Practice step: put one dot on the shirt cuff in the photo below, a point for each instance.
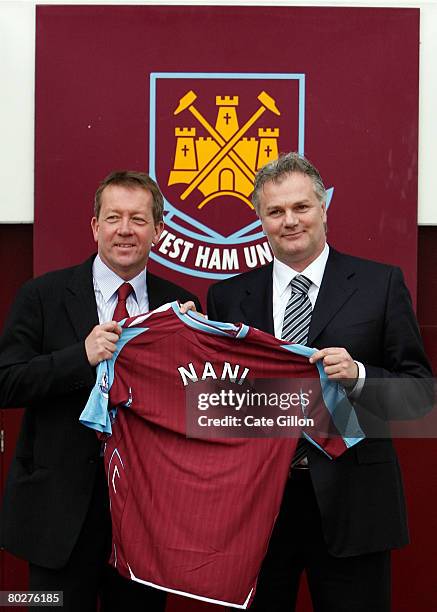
(355, 392)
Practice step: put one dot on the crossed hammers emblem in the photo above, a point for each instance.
(226, 147)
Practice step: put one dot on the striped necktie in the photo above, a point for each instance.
(297, 317)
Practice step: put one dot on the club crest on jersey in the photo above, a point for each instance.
(104, 385)
(209, 134)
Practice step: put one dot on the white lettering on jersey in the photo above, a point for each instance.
(229, 372)
(188, 374)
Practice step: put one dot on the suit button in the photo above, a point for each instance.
(92, 460)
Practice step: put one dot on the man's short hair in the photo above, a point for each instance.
(133, 180)
(276, 170)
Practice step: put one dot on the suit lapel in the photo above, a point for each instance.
(338, 285)
(80, 300)
(257, 305)
(155, 291)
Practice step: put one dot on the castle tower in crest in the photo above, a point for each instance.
(268, 145)
(185, 162)
(185, 157)
(227, 120)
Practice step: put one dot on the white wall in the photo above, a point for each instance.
(17, 60)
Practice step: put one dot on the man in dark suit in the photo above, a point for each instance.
(339, 519)
(56, 511)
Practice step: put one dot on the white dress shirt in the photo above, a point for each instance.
(106, 284)
(282, 277)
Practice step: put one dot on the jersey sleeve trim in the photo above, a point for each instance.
(95, 415)
(340, 408)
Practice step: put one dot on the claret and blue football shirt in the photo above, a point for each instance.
(193, 516)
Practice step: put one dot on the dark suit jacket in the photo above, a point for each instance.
(43, 366)
(366, 308)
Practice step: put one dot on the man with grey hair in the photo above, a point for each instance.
(339, 519)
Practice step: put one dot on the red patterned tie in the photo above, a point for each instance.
(123, 292)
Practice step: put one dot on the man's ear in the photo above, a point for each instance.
(325, 216)
(158, 231)
(95, 228)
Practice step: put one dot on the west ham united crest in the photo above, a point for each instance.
(209, 134)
